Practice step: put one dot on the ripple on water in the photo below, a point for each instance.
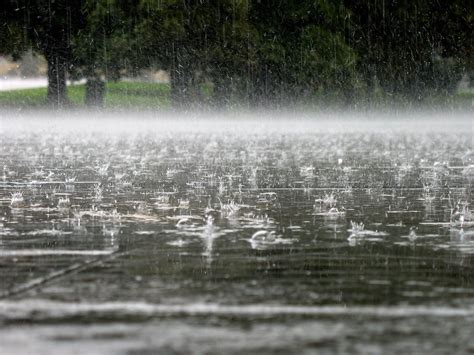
(200, 214)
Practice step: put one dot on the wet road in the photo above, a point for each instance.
(268, 237)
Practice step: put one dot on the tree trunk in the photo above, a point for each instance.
(370, 84)
(95, 93)
(180, 82)
(256, 92)
(57, 92)
(222, 92)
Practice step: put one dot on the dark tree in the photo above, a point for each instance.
(12, 37)
(411, 49)
(301, 52)
(197, 42)
(106, 47)
(49, 27)
(265, 53)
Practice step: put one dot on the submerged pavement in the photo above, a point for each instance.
(266, 237)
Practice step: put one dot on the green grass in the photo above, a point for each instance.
(23, 98)
(118, 95)
(135, 95)
(465, 99)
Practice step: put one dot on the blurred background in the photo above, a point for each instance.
(237, 54)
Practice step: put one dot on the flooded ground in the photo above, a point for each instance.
(311, 235)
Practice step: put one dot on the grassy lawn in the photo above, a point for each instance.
(156, 96)
(118, 95)
(465, 99)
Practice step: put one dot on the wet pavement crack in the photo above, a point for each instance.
(41, 281)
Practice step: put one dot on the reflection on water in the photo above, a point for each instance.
(340, 219)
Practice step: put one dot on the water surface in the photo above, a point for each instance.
(319, 234)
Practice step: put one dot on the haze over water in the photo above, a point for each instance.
(265, 233)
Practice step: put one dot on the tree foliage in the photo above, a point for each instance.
(48, 27)
(411, 48)
(253, 52)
